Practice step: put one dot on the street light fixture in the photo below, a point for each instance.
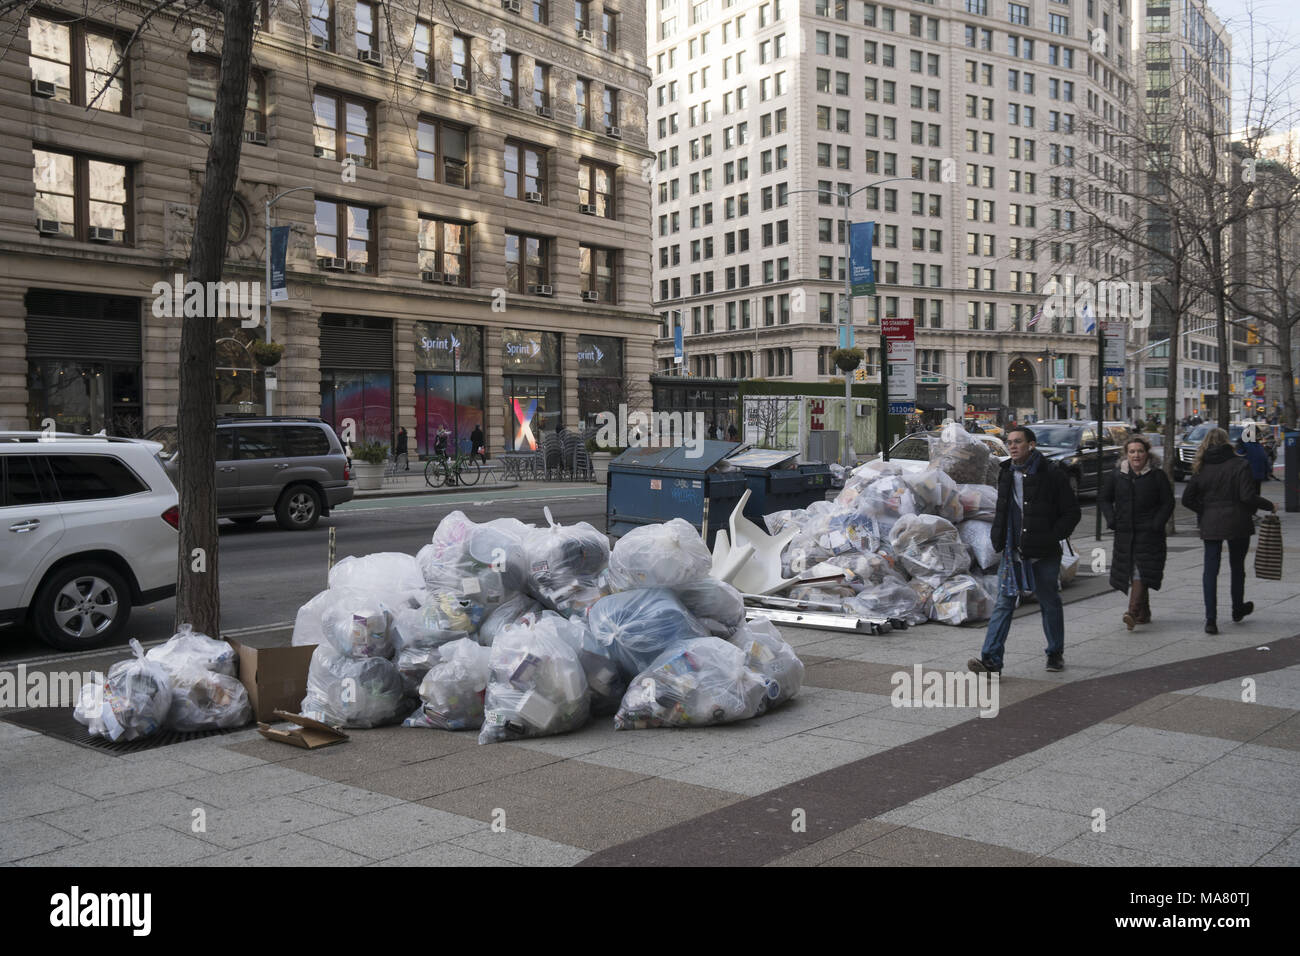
(267, 252)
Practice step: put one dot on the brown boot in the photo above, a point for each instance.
(1131, 615)
(1144, 602)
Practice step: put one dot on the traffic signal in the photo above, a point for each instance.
(860, 374)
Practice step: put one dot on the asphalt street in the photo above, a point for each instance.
(267, 573)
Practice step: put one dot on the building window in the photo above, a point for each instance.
(321, 23)
(609, 30)
(541, 87)
(596, 187)
(345, 231)
(442, 153)
(78, 60)
(460, 58)
(525, 171)
(597, 269)
(582, 99)
(365, 26)
(202, 97)
(444, 248)
(354, 137)
(538, 11)
(422, 54)
(527, 262)
(609, 104)
(78, 194)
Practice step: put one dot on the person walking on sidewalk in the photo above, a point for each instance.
(1225, 496)
(1137, 501)
(1036, 510)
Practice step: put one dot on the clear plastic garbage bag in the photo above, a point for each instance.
(929, 547)
(536, 686)
(936, 494)
(960, 599)
(659, 555)
(978, 536)
(959, 454)
(565, 561)
(207, 700)
(132, 702)
(451, 693)
(188, 648)
(383, 572)
(715, 604)
(693, 684)
(353, 691)
(358, 626)
(891, 599)
(978, 502)
(768, 653)
(504, 615)
(637, 626)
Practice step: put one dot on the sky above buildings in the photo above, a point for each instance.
(1276, 38)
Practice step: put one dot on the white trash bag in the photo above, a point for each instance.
(958, 453)
(188, 648)
(693, 684)
(671, 554)
(132, 702)
(565, 562)
(715, 604)
(978, 502)
(346, 691)
(207, 700)
(451, 693)
(504, 615)
(384, 572)
(960, 599)
(768, 654)
(892, 599)
(536, 686)
(978, 536)
(936, 494)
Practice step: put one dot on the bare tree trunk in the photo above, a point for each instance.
(1171, 387)
(198, 596)
(1219, 280)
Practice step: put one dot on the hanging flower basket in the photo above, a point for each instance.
(846, 360)
(1049, 394)
(267, 354)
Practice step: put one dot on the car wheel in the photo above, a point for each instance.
(298, 508)
(247, 519)
(80, 606)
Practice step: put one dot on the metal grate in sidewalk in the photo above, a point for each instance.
(58, 722)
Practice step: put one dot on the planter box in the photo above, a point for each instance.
(369, 477)
(600, 466)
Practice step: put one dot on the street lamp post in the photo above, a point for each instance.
(267, 251)
(846, 320)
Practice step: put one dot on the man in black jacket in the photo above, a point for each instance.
(1036, 510)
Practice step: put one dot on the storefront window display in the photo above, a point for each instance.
(534, 394)
(448, 383)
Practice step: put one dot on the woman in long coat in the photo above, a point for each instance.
(1137, 501)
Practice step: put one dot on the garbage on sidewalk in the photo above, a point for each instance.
(308, 734)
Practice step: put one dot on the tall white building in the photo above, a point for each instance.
(978, 121)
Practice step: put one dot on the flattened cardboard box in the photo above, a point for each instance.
(309, 734)
(275, 677)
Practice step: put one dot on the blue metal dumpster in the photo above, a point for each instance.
(776, 486)
(654, 485)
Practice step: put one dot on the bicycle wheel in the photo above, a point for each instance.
(434, 473)
(469, 472)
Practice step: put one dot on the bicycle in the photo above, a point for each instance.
(461, 470)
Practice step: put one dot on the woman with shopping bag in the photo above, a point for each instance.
(1225, 497)
(1136, 501)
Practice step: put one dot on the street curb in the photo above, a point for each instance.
(457, 490)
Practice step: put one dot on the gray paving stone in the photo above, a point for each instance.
(635, 762)
(264, 820)
(1071, 793)
(820, 851)
(126, 776)
(1203, 842)
(102, 819)
(291, 849)
(938, 800)
(1238, 771)
(215, 758)
(1263, 752)
(1125, 766)
(153, 846)
(1286, 853)
(18, 800)
(242, 786)
(1234, 804)
(876, 730)
(1018, 826)
(523, 849)
(10, 732)
(775, 764)
(1092, 850)
(24, 838)
(444, 854)
(920, 847)
(347, 799)
(394, 830)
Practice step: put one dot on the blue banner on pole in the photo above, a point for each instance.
(279, 251)
(678, 351)
(862, 273)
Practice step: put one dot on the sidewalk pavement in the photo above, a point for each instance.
(1143, 751)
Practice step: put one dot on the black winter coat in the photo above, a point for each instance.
(1051, 510)
(1137, 508)
(1224, 496)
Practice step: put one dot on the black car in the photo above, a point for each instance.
(1187, 445)
(1073, 445)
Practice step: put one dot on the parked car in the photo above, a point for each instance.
(1073, 445)
(913, 452)
(293, 468)
(90, 533)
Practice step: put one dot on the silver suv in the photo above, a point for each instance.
(293, 468)
(89, 530)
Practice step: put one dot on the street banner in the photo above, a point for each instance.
(678, 352)
(862, 273)
(279, 250)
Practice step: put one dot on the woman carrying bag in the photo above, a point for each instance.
(1225, 496)
(1137, 501)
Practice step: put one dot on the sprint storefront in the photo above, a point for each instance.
(533, 385)
(448, 383)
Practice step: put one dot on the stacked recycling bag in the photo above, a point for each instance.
(187, 684)
(519, 631)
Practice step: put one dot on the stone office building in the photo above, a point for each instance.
(470, 247)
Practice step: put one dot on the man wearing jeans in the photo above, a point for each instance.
(1036, 510)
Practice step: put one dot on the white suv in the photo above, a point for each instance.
(89, 529)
